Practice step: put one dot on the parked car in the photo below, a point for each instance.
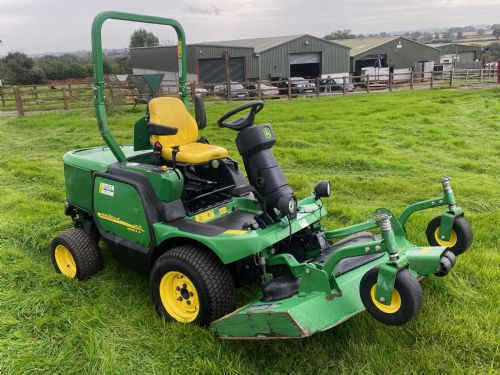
(298, 85)
(237, 90)
(336, 84)
(265, 90)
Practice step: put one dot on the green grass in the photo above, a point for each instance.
(380, 150)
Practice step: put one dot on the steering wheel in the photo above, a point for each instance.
(243, 122)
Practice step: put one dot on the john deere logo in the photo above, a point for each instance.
(267, 132)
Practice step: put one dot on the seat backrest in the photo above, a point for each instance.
(172, 112)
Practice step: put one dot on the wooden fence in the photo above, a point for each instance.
(22, 99)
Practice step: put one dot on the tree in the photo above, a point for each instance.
(340, 34)
(18, 69)
(460, 35)
(143, 38)
(492, 52)
(496, 33)
(480, 32)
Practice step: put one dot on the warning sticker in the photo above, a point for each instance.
(106, 189)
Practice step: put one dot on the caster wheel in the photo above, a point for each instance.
(452, 257)
(405, 302)
(189, 284)
(75, 254)
(460, 239)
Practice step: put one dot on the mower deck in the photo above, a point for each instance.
(302, 314)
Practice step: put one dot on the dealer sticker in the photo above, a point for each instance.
(107, 189)
(263, 307)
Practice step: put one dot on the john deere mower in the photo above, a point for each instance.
(179, 209)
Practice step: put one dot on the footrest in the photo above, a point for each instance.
(348, 264)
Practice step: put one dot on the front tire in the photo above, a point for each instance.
(460, 238)
(405, 302)
(189, 284)
(75, 254)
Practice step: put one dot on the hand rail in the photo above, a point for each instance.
(99, 103)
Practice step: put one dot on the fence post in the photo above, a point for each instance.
(343, 85)
(193, 91)
(110, 91)
(19, 101)
(35, 94)
(412, 77)
(65, 99)
(289, 89)
(391, 78)
(2, 96)
(466, 77)
(70, 90)
(259, 94)
(452, 72)
(367, 83)
(317, 87)
(432, 80)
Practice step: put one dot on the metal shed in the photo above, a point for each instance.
(259, 58)
(397, 52)
(460, 52)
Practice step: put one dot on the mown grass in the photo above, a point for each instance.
(380, 150)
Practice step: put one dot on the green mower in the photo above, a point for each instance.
(179, 209)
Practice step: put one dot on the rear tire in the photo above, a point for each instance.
(406, 298)
(460, 238)
(75, 254)
(189, 284)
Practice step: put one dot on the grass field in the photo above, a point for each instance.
(383, 150)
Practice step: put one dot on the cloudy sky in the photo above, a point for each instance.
(35, 26)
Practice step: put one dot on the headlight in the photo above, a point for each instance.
(322, 189)
(287, 205)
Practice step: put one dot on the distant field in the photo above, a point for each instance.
(378, 150)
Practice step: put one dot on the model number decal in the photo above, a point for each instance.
(106, 189)
(136, 228)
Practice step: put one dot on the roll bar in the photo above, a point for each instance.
(99, 103)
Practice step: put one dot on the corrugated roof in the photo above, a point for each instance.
(440, 45)
(258, 44)
(363, 44)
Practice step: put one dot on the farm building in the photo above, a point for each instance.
(396, 52)
(248, 59)
(459, 52)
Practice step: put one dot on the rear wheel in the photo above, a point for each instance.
(405, 302)
(75, 254)
(460, 238)
(189, 284)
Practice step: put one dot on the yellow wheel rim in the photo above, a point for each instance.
(179, 296)
(388, 309)
(452, 242)
(65, 261)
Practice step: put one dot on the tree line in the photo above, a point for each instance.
(17, 68)
(450, 35)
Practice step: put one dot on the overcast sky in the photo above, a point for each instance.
(35, 26)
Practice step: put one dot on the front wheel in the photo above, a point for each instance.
(405, 302)
(189, 284)
(460, 238)
(75, 254)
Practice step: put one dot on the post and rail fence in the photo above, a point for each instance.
(23, 99)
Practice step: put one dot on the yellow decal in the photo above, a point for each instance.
(222, 210)
(204, 216)
(179, 50)
(136, 228)
(425, 249)
(235, 231)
